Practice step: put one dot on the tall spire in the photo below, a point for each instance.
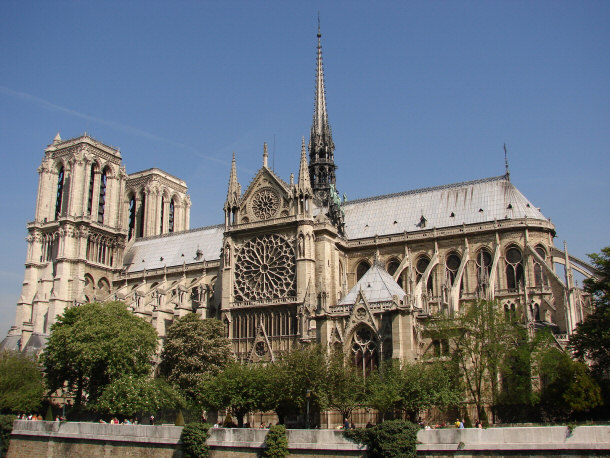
(321, 147)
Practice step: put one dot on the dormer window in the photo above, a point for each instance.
(422, 222)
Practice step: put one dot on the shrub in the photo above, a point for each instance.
(194, 437)
(276, 442)
(6, 426)
(394, 438)
(179, 419)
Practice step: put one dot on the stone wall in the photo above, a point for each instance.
(71, 439)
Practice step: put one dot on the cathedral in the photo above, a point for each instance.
(293, 261)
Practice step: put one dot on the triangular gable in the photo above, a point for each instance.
(265, 178)
(261, 349)
(360, 314)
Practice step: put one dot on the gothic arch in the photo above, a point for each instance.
(361, 268)
(364, 346)
(514, 267)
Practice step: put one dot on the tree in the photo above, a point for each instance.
(346, 386)
(301, 370)
(481, 337)
(566, 386)
(131, 395)
(590, 341)
(242, 388)
(21, 385)
(95, 344)
(194, 349)
(383, 388)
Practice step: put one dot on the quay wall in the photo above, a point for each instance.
(73, 439)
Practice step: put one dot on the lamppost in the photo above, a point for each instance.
(308, 396)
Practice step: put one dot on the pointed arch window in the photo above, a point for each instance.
(132, 218)
(452, 264)
(514, 268)
(172, 215)
(540, 278)
(102, 200)
(420, 268)
(483, 268)
(141, 215)
(60, 193)
(91, 189)
(362, 268)
(393, 265)
(365, 350)
(162, 211)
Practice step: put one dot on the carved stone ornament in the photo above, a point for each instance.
(265, 269)
(265, 203)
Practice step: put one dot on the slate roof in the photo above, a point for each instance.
(469, 202)
(175, 249)
(377, 285)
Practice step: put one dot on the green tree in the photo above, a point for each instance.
(383, 388)
(21, 385)
(346, 387)
(131, 395)
(276, 443)
(394, 438)
(567, 387)
(590, 341)
(300, 370)
(242, 388)
(194, 437)
(95, 344)
(194, 349)
(481, 337)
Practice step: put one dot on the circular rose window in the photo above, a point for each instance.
(265, 204)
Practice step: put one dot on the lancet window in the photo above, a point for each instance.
(514, 268)
(132, 218)
(141, 215)
(172, 216)
(365, 350)
(483, 261)
(91, 189)
(60, 193)
(452, 265)
(102, 198)
(392, 267)
(420, 268)
(162, 214)
(540, 278)
(362, 268)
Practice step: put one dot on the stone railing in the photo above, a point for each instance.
(71, 439)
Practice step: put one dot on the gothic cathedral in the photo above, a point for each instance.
(294, 262)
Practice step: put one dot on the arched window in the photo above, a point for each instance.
(172, 214)
(452, 263)
(102, 201)
(362, 268)
(91, 189)
(540, 278)
(60, 193)
(392, 267)
(483, 268)
(514, 267)
(132, 218)
(420, 267)
(142, 212)
(162, 209)
(365, 350)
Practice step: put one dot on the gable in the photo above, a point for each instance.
(267, 197)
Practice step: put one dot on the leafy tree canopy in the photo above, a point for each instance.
(131, 395)
(242, 388)
(591, 339)
(194, 348)
(346, 386)
(95, 344)
(21, 386)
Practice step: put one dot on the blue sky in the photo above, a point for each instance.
(419, 94)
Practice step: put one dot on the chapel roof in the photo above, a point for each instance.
(377, 285)
(468, 202)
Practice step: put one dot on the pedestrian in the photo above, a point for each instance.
(462, 424)
(152, 420)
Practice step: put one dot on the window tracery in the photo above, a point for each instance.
(365, 349)
(265, 204)
(60, 193)
(540, 278)
(514, 267)
(484, 262)
(420, 268)
(265, 269)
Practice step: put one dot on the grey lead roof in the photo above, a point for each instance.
(469, 202)
(171, 250)
(443, 206)
(377, 286)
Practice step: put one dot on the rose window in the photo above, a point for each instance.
(265, 204)
(265, 269)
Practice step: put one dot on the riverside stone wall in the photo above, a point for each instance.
(72, 439)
